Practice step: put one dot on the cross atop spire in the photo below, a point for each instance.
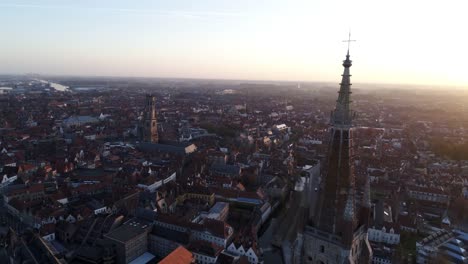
(349, 41)
(342, 115)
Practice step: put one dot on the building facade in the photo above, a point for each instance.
(130, 240)
(384, 235)
(428, 194)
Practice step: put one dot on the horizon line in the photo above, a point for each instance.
(434, 86)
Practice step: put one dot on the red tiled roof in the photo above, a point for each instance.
(179, 256)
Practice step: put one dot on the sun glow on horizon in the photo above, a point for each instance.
(413, 42)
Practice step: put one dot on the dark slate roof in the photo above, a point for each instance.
(170, 234)
(225, 169)
(8, 170)
(145, 214)
(165, 146)
(94, 204)
(90, 253)
(129, 230)
(175, 143)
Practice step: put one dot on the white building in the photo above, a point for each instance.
(204, 258)
(7, 181)
(430, 194)
(251, 254)
(49, 237)
(384, 235)
(155, 185)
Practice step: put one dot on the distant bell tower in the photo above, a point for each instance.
(150, 121)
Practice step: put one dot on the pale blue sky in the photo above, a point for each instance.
(399, 41)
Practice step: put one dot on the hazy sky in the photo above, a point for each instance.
(398, 41)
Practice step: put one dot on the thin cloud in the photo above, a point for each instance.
(137, 11)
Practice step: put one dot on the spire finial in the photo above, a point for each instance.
(349, 41)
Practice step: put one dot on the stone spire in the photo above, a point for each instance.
(366, 203)
(366, 199)
(342, 115)
(341, 218)
(349, 212)
(337, 206)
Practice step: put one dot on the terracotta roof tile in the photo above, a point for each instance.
(179, 256)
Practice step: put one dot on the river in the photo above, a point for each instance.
(57, 86)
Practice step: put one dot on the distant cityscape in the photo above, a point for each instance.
(141, 170)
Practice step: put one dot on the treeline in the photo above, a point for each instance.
(451, 150)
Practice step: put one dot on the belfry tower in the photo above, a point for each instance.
(150, 121)
(338, 233)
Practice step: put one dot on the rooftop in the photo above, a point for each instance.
(179, 256)
(144, 258)
(169, 147)
(129, 230)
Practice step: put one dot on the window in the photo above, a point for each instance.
(322, 249)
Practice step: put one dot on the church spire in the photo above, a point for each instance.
(342, 115)
(337, 201)
(349, 40)
(341, 218)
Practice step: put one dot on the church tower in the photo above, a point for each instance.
(150, 121)
(338, 233)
